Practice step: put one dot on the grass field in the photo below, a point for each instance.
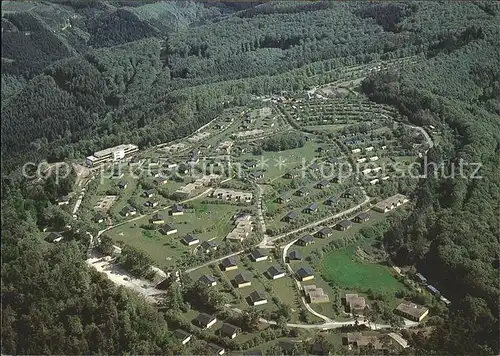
(342, 267)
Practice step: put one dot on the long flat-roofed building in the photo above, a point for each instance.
(111, 154)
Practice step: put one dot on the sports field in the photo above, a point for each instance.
(342, 267)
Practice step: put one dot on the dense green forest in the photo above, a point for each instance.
(78, 76)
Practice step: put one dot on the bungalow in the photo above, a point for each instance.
(190, 240)
(323, 184)
(325, 232)
(291, 175)
(208, 280)
(161, 180)
(123, 184)
(168, 230)
(290, 216)
(412, 311)
(304, 274)
(242, 280)
(99, 218)
(358, 340)
(128, 211)
(362, 217)
(117, 173)
(315, 295)
(152, 203)
(361, 160)
(356, 150)
(282, 199)
(348, 195)
(311, 208)
(332, 201)
(390, 203)
(229, 264)
(314, 167)
(208, 246)
(368, 149)
(176, 210)
(205, 321)
(183, 336)
(63, 200)
(344, 225)
(274, 272)
(54, 237)
(302, 192)
(229, 330)
(257, 175)
(332, 160)
(305, 240)
(258, 255)
(374, 158)
(257, 298)
(148, 193)
(157, 219)
(294, 256)
(374, 181)
(354, 303)
(169, 165)
(250, 164)
(213, 348)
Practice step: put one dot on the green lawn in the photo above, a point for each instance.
(342, 267)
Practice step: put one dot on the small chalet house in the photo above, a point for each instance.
(294, 256)
(362, 217)
(242, 280)
(257, 175)
(344, 225)
(157, 219)
(258, 255)
(412, 311)
(325, 232)
(302, 192)
(99, 218)
(63, 200)
(332, 160)
(128, 211)
(304, 274)
(354, 304)
(291, 175)
(208, 280)
(152, 203)
(311, 208)
(282, 199)
(182, 336)
(215, 349)
(148, 193)
(274, 272)
(205, 321)
(314, 167)
(177, 210)
(305, 240)
(257, 298)
(208, 246)
(290, 216)
(229, 330)
(250, 164)
(168, 230)
(323, 184)
(332, 201)
(161, 180)
(229, 264)
(190, 240)
(123, 184)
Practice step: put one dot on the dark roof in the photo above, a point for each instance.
(257, 295)
(189, 238)
(204, 319)
(363, 216)
(291, 214)
(149, 191)
(332, 160)
(345, 223)
(242, 277)
(157, 217)
(312, 206)
(274, 271)
(256, 253)
(99, 216)
(63, 198)
(332, 200)
(229, 329)
(122, 183)
(229, 261)
(324, 182)
(421, 277)
(306, 239)
(208, 244)
(326, 230)
(167, 227)
(432, 289)
(283, 197)
(207, 279)
(177, 208)
(295, 255)
(302, 190)
(304, 272)
(215, 347)
(181, 334)
(253, 353)
(313, 166)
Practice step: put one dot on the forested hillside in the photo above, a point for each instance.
(78, 76)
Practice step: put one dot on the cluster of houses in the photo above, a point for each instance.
(243, 226)
(390, 203)
(228, 194)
